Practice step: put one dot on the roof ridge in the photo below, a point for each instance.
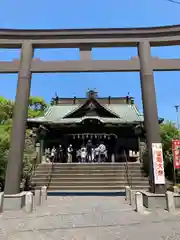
(47, 111)
(137, 112)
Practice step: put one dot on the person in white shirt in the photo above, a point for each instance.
(93, 155)
(53, 154)
(83, 154)
(78, 155)
(69, 153)
(96, 154)
(47, 155)
(102, 152)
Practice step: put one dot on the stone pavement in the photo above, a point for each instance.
(88, 218)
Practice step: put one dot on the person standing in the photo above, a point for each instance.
(53, 154)
(96, 153)
(78, 155)
(89, 150)
(93, 154)
(83, 154)
(69, 153)
(60, 154)
(102, 152)
(47, 155)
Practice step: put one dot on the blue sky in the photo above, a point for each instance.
(93, 14)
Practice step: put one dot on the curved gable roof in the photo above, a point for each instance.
(126, 113)
(94, 102)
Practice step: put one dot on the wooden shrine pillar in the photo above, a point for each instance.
(14, 166)
(150, 108)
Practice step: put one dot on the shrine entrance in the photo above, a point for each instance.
(85, 40)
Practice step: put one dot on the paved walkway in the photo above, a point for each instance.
(88, 218)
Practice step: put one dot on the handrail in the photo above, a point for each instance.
(33, 168)
(28, 181)
(129, 180)
(50, 173)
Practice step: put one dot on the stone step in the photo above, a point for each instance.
(80, 170)
(88, 170)
(87, 178)
(94, 188)
(107, 192)
(90, 177)
(87, 166)
(91, 164)
(89, 183)
(89, 174)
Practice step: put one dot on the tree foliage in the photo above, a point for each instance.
(4, 146)
(37, 106)
(6, 109)
(168, 132)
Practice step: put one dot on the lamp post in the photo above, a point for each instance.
(177, 114)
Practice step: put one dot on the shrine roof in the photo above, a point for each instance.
(123, 113)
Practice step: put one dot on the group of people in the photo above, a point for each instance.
(90, 153)
(86, 154)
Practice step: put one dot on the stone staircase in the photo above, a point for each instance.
(89, 177)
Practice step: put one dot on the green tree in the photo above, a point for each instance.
(4, 147)
(37, 107)
(168, 132)
(28, 161)
(6, 109)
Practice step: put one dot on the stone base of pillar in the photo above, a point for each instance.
(14, 201)
(154, 200)
(158, 188)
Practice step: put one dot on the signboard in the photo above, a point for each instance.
(158, 163)
(176, 153)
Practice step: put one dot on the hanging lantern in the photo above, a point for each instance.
(138, 130)
(78, 136)
(74, 137)
(104, 136)
(87, 135)
(95, 136)
(115, 136)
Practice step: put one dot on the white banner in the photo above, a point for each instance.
(158, 163)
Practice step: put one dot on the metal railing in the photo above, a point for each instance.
(49, 176)
(27, 185)
(34, 168)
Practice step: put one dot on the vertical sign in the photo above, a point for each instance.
(158, 163)
(176, 153)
